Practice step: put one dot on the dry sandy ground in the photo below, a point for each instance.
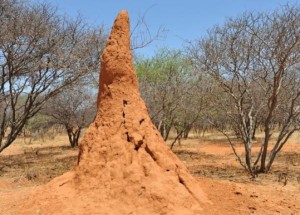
(24, 168)
(233, 191)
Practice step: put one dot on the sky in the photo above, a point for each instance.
(184, 20)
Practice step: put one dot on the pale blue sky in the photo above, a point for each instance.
(189, 19)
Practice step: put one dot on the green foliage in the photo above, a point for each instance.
(38, 121)
(162, 66)
(171, 88)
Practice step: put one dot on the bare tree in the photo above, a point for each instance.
(40, 54)
(172, 91)
(141, 35)
(255, 60)
(74, 108)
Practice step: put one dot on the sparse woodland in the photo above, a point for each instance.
(227, 106)
(243, 77)
(254, 59)
(40, 54)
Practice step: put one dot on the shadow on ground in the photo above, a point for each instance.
(40, 165)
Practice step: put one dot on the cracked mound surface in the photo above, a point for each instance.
(124, 166)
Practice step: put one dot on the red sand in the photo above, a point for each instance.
(124, 166)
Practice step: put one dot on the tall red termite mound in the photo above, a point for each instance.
(124, 166)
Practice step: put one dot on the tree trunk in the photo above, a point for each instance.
(178, 137)
(73, 135)
(254, 130)
(265, 150)
(272, 158)
(186, 132)
(167, 132)
(161, 128)
(248, 157)
(11, 137)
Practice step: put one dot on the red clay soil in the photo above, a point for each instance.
(124, 166)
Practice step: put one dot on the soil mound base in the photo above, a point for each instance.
(124, 166)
